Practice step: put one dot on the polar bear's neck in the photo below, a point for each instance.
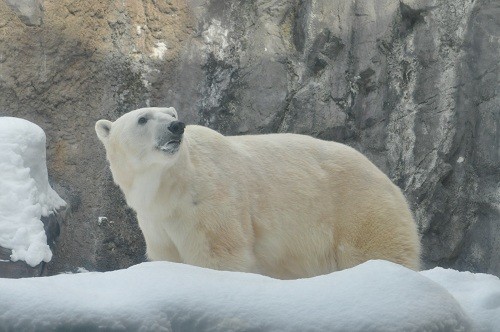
(145, 185)
(143, 188)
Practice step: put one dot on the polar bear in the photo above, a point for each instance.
(283, 205)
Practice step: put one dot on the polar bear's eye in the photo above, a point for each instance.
(142, 120)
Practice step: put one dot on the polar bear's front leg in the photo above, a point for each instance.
(165, 251)
(159, 245)
(221, 244)
(220, 255)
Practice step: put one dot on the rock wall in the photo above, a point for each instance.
(413, 84)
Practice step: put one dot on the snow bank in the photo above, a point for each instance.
(163, 296)
(25, 193)
(479, 295)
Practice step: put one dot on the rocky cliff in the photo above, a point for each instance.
(413, 84)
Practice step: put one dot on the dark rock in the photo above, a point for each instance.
(410, 17)
(19, 269)
(52, 225)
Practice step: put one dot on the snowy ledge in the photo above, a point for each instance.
(163, 296)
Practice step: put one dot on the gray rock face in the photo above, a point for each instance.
(412, 84)
(30, 12)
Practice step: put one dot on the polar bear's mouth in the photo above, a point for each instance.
(171, 146)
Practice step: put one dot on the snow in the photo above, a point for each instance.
(101, 220)
(25, 193)
(159, 50)
(479, 295)
(164, 296)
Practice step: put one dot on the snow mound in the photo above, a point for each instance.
(479, 295)
(163, 296)
(25, 194)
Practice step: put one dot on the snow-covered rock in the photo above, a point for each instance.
(25, 193)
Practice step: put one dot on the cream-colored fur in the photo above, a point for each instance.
(282, 205)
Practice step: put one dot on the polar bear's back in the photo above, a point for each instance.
(315, 206)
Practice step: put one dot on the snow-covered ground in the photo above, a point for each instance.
(162, 296)
(25, 193)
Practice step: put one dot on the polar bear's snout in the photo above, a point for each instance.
(169, 136)
(177, 127)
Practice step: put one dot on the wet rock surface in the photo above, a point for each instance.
(412, 84)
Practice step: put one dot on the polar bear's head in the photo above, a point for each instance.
(142, 138)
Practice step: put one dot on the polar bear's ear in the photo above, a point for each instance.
(173, 112)
(102, 128)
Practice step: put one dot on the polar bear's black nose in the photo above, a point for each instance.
(177, 127)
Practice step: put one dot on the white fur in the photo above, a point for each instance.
(283, 205)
